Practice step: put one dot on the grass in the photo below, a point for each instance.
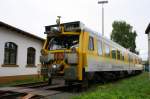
(136, 87)
(25, 81)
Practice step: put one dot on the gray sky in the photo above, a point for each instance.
(33, 15)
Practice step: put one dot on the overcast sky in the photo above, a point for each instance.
(33, 15)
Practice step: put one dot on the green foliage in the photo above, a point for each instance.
(131, 88)
(122, 34)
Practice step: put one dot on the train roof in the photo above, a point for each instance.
(108, 41)
(78, 26)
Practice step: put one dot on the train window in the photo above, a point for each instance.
(113, 53)
(130, 58)
(100, 50)
(107, 50)
(91, 43)
(63, 42)
(127, 57)
(134, 60)
(137, 60)
(122, 56)
(118, 55)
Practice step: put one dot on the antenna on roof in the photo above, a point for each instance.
(58, 20)
(58, 23)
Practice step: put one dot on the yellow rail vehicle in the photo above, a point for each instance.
(76, 53)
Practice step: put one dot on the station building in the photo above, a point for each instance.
(19, 53)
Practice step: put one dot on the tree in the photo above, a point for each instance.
(122, 34)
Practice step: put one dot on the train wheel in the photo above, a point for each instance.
(97, 78)
(68, 83)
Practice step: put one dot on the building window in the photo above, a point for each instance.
(30, 56)
(10, 54)
(91, 43)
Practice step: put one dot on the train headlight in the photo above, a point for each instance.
(54, 66)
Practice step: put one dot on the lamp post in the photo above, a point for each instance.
(102, 2)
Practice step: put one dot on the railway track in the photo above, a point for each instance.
(39, 90)
(33, 85)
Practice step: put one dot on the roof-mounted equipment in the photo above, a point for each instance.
(76, 26)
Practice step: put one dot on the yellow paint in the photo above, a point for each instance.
(44, 47)
(54, 51)
(79, 67)
(85, 48)
(70, 33)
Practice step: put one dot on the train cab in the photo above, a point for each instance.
(61, 53)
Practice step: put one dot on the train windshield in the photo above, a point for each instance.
(63, 42)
